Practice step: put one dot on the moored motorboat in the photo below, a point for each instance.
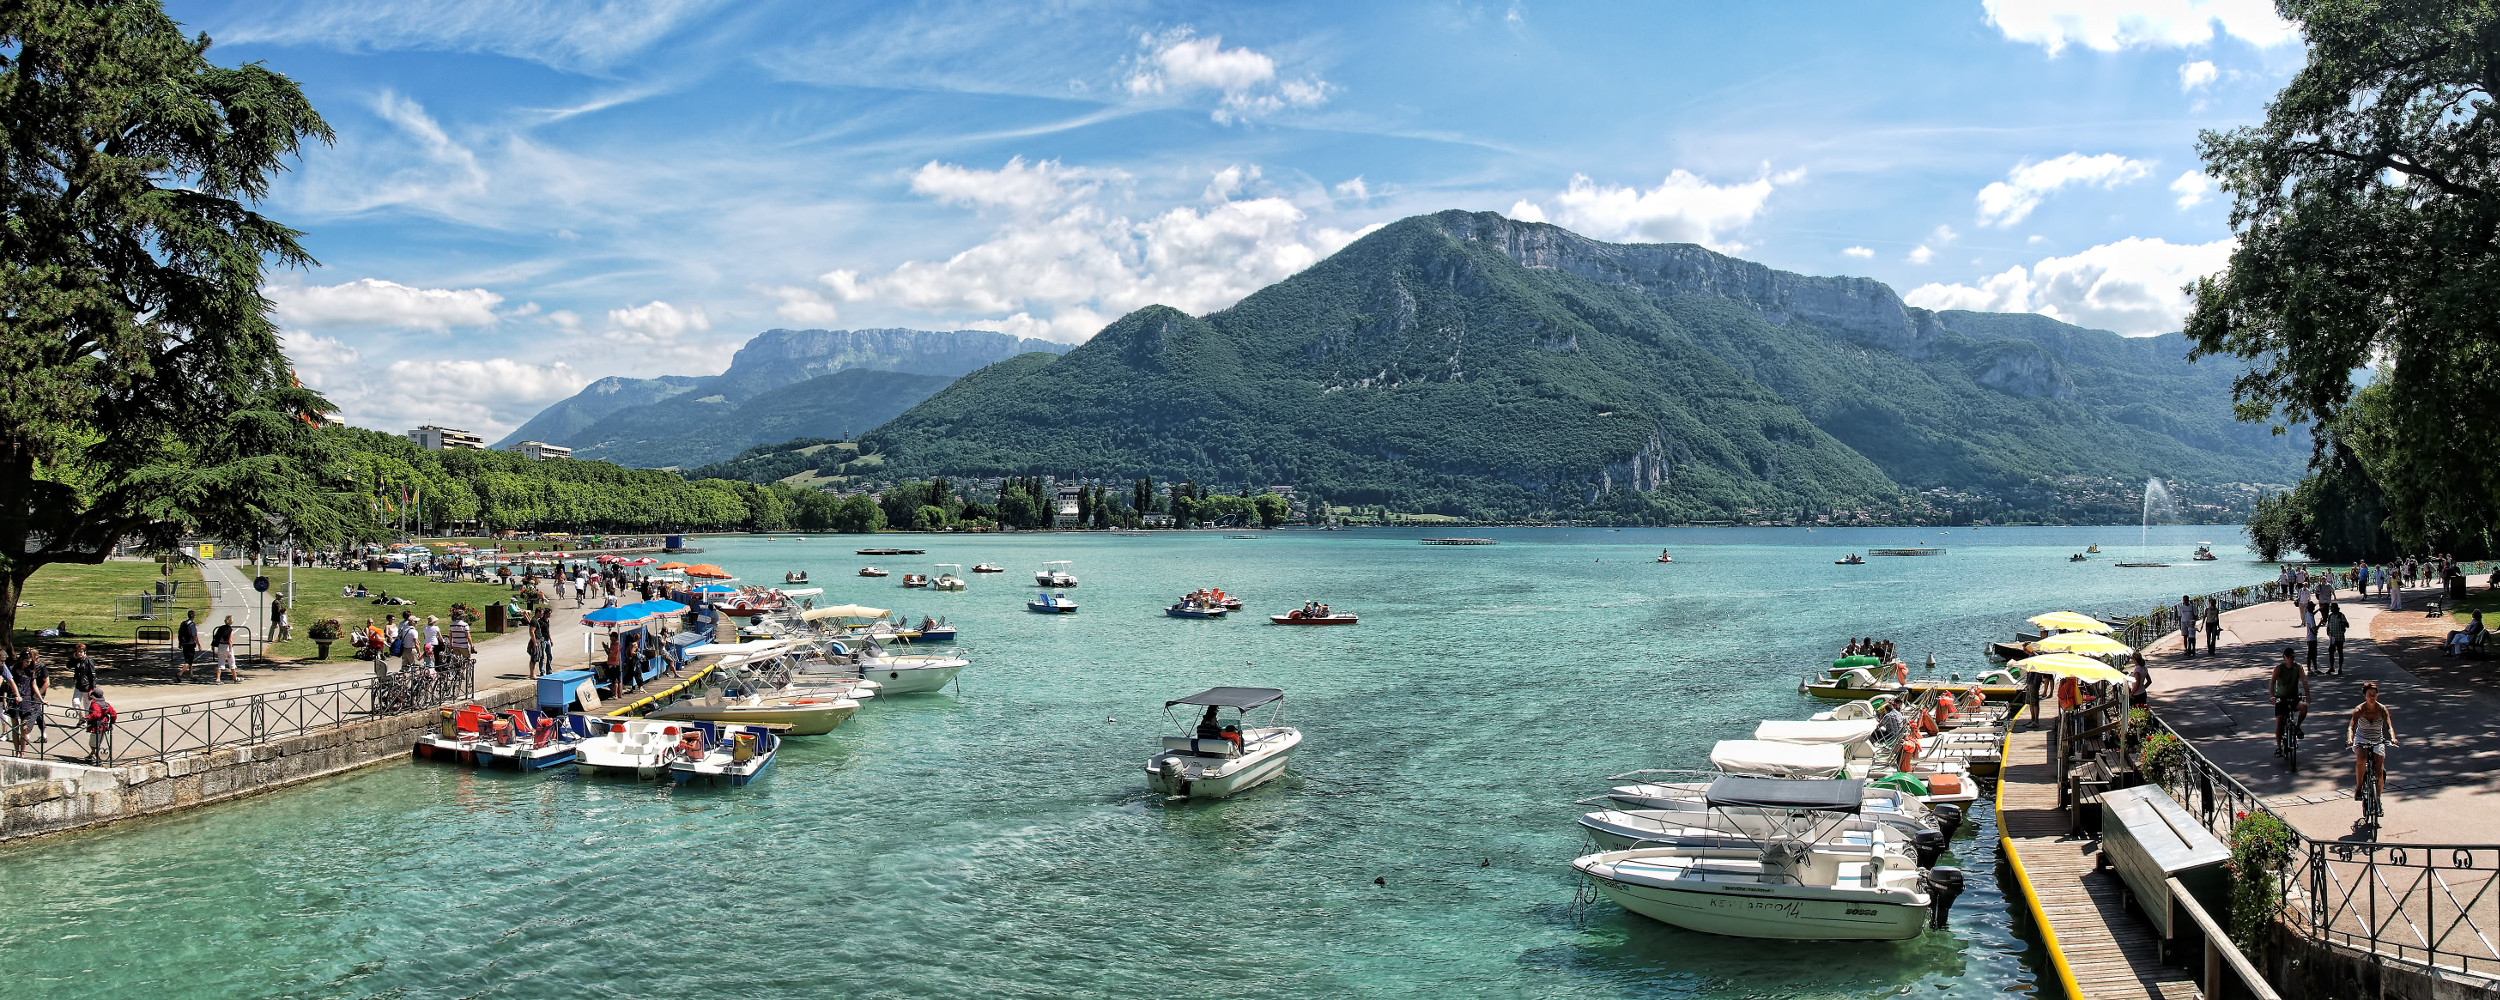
(1055, 575)
(1686, 792)
(1796, 881)
(894, 674)
(1051, 604)
(871, 571)
(805, 712)
(1217, 759)
(915, 580)
(1314, 613)
(626, 747)
(947, 579)
(989, 568)
(1193, 609)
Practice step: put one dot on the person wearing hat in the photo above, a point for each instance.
(2373, 730)
(433, 640)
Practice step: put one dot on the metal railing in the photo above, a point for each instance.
(2140, 630)
(2434, 905)
(150, 734)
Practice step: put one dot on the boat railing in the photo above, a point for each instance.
(2435, 906)
(143, 735)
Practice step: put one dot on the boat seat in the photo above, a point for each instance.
(1203, 748)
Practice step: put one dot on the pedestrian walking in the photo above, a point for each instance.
(2336, 625)
(28, 684)
(2396, 590)
(433, 641)
(81, 677)
(2309, 624)
(221, 642)
(187, 646)
(411, 645)
(2187, 625)
(280, 626)
(2213, 625)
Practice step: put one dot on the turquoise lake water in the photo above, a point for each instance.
(1000, 840)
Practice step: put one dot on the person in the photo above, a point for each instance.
(2373, 730)
(279, 626)
(222, 641)
(538, 654)
(2459, 639)
(1232, 734)
(99, 718)
(2291, 694)
(2187, 625)
(29, 682)
(2309, 625)
(2378, 579)
(1207, 727)
(2213, 625)
(433, 640)
(81, 677)
(456, 638)
(2336, 626)
(2322, 592)
(411, 644)
(187, 639)
(2396, 590)
(2140, 682)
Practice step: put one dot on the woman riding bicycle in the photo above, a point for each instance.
(2373, 730)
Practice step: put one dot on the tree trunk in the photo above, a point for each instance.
(12, 584)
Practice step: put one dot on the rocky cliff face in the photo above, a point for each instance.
(777, 358)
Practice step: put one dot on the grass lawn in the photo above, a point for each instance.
(317, 599)
(83, 596)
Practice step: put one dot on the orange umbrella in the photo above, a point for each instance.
(671, 565)
(708, 571)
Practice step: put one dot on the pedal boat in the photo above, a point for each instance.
(731, 755)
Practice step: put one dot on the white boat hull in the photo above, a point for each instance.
(1755, 913)
(1190, 776)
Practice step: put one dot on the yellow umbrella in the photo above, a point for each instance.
(2085, 643)
(2082, 668)
(842, 611)
(2068, 621)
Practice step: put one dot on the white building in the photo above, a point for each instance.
(1066, 504)
(432, 438)
(540, 451)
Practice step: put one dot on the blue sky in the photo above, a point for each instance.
(526, 195)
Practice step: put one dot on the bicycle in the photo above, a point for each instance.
(2287, 742)
(2370, 794)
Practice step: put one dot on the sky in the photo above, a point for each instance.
(525, 195)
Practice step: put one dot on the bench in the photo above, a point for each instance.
(153, 633)
(1203, 748)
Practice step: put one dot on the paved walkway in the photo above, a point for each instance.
(2440, 779)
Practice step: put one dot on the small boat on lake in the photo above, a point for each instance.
(2078, 557)
(989, 568)
(633, 748)
(531, 740)
(794, 576)
(871, 571)
(1313, 613)
(947, 578)
(915, 580)
(1664, 557)
(1189, 608)
(1218, 759)
(1214, 596)
(803, 712)
(1853, 559)
(1922, 551)
(458, 737)
(2094, 549)
(2205, 553)
(714, 754)
(1055, 574)
(1051, 604)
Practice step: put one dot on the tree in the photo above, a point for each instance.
(1142, 495)
(858, 515)
(2367, 208)
(1272, 509)
(1084, 505)
(142, 391)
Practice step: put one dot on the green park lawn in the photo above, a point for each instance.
(82, 595)
(317, 599)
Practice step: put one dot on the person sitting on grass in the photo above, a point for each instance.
(2460, 639)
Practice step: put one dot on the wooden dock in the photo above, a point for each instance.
(2099, 945)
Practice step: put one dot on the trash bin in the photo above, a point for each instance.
(494, 618)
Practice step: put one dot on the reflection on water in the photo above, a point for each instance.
(1000, 839)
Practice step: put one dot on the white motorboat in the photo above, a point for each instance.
(1805, 878)
(1768, 759)
(1686, 792)
(906, 673)
(1855, 737)
(640, 748)
(947, 578)
(715, 754)
(1219, 759)
(1055, 575)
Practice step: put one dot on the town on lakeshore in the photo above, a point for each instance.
(658, 498)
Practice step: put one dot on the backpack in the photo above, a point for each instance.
(100, 716)
(397, 645)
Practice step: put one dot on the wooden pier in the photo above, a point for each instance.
(2099, 946)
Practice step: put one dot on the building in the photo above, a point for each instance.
(540, 451)
(1066, 506)
(432, 438)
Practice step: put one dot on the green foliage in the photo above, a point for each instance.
(2163, 757)
(2365, 207)
(1272, 509)
(1428, 369)
(142, 391)
(766, 463)
(2339, 513)
(2261, 848)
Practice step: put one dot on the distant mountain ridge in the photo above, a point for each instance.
(675, 420)
(1471, 364)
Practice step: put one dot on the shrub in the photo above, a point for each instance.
(2261, 847)
(2163, 758)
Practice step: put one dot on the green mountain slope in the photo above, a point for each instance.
(1466, 363)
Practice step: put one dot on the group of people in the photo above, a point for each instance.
(431, 645)
(2369, 729)
(1869, 646)
(26, 690)
(221, 641)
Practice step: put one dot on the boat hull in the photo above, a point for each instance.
(1050, 609)
(1190, 613)
(1255, 770)
(526, 758)
(1731, 913)
(434, 748)
(803, 720)
(1330, 620)
(893, 679)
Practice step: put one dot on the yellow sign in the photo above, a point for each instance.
(208, 551)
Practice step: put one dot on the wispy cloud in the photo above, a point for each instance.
(2110, 25)
(571, 35)
(2011, 200)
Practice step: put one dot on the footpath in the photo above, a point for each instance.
(2440, 778)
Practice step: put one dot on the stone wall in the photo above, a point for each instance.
(2316, 970)
(38, 797)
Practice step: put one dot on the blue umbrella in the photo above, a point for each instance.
(713, 588)
(633, 614)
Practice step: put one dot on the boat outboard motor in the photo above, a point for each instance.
(1930, 845)
(1948, 818)
(1943, 885)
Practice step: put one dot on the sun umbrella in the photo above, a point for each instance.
(2068, 621)
(2085, 643)
(672, 565)
(708, 572)
(610, 559)
(843, 611)
(2082, 668)
(712, 588)
(633, 614)
(644, 561)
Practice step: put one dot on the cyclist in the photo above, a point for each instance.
(2291, 694)
(2373, 730)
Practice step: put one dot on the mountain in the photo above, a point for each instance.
(1470, 364)
(780, 385)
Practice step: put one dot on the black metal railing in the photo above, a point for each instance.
(150, 734)
(2140, 630)
(2435, 905)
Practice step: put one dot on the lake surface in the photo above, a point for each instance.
(999, 840)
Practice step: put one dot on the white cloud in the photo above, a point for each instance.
(654, 324)
(1063, 274)
(373, 302)
(2200, 73)
(802, 305)
(2110, 25)
(2192, 188)
(1861, 253)
(1683, 208)
(2134, 286)
(1017, 186)
(1921, 254)
(566, 34)
(1178, 62)
(2009, 201)
(1354, 189)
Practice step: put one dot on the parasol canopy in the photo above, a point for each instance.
(642, 613)
(2069, 621)
(708, 571)
(2082, 668)
(843, 611)
(2085, 643)
(672, 565)
(644, 561)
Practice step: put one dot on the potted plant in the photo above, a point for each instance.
(323, 634)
